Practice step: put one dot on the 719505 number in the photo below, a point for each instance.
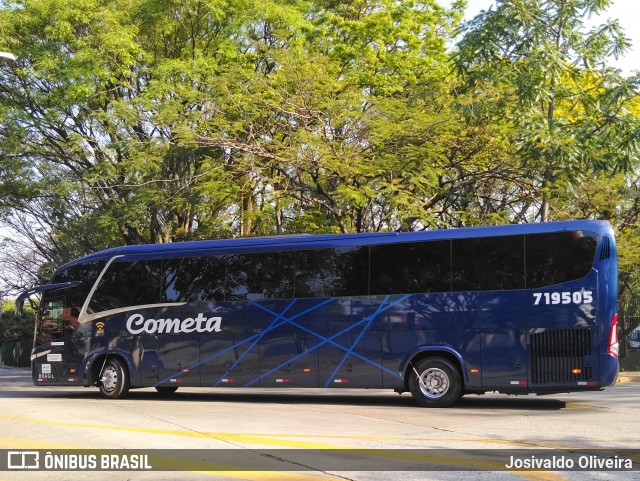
(565, 297)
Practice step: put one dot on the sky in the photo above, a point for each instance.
(627, 12)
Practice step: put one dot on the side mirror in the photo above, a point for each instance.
(46, 287)
(20, 303)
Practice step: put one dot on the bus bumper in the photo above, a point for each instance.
(609, 369)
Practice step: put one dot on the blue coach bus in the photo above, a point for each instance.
(516, 309)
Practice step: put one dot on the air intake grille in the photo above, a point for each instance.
(555, 353)
(605, 251)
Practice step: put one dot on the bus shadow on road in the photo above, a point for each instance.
(16, 385)
(471, 402)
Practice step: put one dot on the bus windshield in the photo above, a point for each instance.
(59, 308)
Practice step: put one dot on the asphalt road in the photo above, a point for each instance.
(268, 424)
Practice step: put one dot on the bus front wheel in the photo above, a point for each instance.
(435, 382)
(114, 381)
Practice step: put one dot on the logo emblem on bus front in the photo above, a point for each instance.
(100, 328)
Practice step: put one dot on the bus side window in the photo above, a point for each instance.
(411, 268)
(128, 283)
(559, 257)
(193, 279)
(265, 275)
(488, 263)
(332, 272)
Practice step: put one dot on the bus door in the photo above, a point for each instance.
(57, 348)
(504, 358)
(148, 367)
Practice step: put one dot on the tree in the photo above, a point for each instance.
(569, 111)
(140, 121)
(14, 327)
(143, 121)
(322, 128)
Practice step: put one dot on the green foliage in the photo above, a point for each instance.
(15, 327)
(567, 109)
(135, 121)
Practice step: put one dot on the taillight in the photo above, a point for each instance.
(614, 346)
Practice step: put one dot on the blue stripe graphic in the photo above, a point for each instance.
(280, 320)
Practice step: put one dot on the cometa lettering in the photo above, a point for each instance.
(137, 324)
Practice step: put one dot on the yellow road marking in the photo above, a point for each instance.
(230, 437)
(268, 439)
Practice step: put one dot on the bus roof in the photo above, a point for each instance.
(316, 241)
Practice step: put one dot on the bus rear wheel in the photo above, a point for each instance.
(114, 380)
(435, 383)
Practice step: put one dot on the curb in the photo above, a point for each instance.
(625, 377)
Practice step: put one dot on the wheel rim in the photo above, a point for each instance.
(434, 383)
(109, 379)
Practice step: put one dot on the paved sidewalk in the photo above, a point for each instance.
(632, 376)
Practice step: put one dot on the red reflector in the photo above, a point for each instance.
(614, 346)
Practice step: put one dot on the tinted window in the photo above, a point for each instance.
(55, 319)
(332, 272)
(559, 257)
(193, 279)
(267, 275)
(488, 263)
(128, 283)
(59, 309)
(409, 268)
(86, 273)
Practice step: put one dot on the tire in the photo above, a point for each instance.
(166, 390)
(114, 380)
(439, 383)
